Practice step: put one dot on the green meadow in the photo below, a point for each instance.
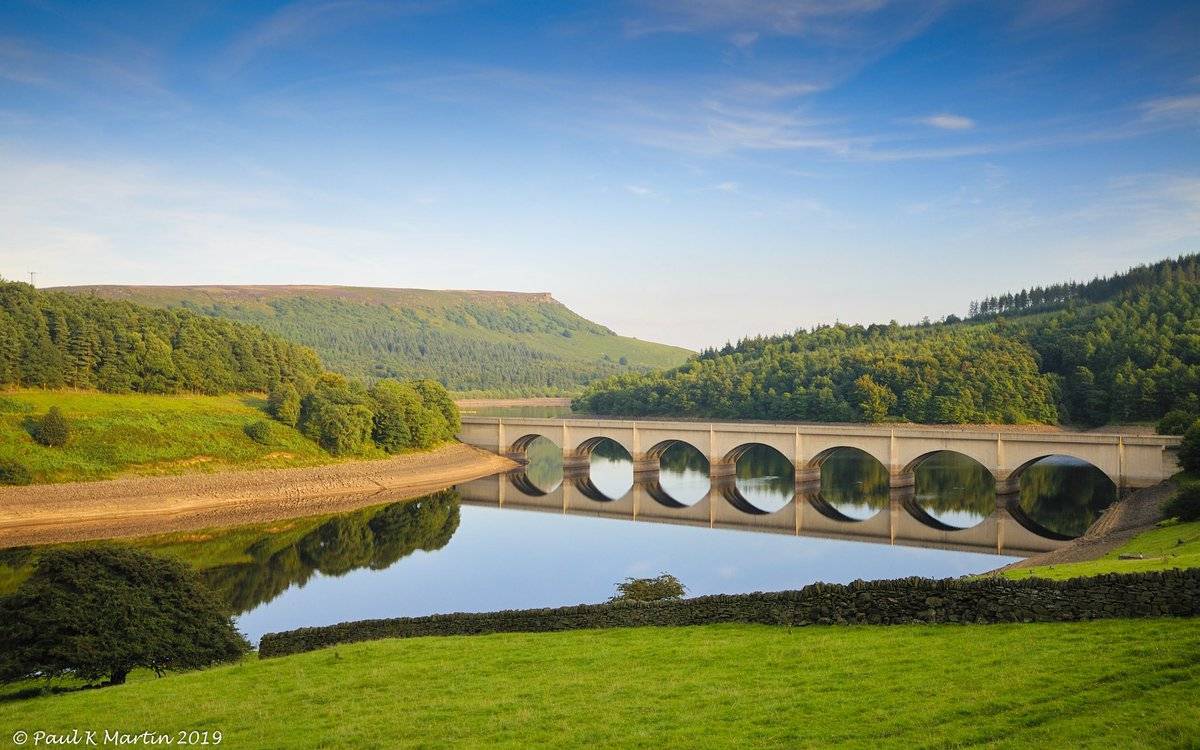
(1117, 683)
(144, 435)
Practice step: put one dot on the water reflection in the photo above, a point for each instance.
(683, 474)
(1065, 495)
(955, 490)
(545, 467)
(611, 469)
(765, 478)
(854, 484)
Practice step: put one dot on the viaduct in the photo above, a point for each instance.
(1130, 461)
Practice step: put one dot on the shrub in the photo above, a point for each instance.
(337, 415)
(283, 403)
(52, 430)
(1184, 504)
(1175, 422)
(663, 588)
(101, 611)
(12, 472)
(1189, 449)
(259, 432)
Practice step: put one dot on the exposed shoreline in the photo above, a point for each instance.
(81, 511)
(475, 403)
(1123, 521)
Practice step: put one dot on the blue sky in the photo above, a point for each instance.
(687, 172)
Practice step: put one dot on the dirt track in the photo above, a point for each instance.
(79, 511)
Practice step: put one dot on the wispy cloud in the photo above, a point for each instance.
(1172, 107)
(306, 19)
(640, 191)
(948, 122)
(784, 17)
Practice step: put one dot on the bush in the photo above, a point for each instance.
(259, 432)
(1189, 449)
(102, 611)
(1175, 422)
(663, 588)
(1184, 504)
(12, 472)
(283, 403)
(52, 430)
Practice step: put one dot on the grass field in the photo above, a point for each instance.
(1173, 545)
(138, 435)
(1119, 683)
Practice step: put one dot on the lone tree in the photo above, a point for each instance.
(52, 430)
(102, 611)
(662, 588)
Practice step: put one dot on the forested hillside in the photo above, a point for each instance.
(1133, 357)
(485, 343)
(52, 340)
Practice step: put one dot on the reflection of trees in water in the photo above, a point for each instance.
(768, 469)
(370, 538)
(949, 482)
(681, 457)
(610, 450)
(545, 467)
(1065, 495)
(852, 479)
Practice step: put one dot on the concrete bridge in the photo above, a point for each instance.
(902, 522)
(1130, 461)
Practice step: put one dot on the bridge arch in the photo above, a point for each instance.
(684, 458)
(1062, 502)
(951, 489)
(775, 480)
(1016, 474)
(521, 444)
(657, 450)
(854, 489)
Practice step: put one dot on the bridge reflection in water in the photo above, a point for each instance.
(902, 521)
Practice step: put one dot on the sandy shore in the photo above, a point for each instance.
(80, 511)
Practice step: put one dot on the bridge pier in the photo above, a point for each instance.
(719, 468)
(902, 479)
(573, 460)
(645, 467)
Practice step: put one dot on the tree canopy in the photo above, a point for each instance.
(55, 340)
(102, 611)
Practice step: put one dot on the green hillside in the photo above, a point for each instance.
(1124, 348)
(474, 342)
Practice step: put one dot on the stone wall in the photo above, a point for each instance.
(888, 602)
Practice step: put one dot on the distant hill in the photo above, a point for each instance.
(475, 342)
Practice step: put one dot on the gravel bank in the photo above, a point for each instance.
(79, 511)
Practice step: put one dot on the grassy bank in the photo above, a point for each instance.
(716, 686)
(140, 435)
(1174, 545)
